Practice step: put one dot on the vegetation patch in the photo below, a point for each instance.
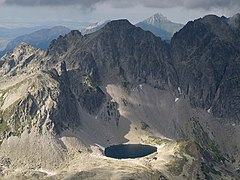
(182, 149)
(158, 140)
(208, 148)
(176, 166)
(186, 147)
(3, 126)
(1, 98)
(207, 169)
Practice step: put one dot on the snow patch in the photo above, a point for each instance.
(209, 110)
(101, 147)
(95, 25)
(179, 90)
(49, 173)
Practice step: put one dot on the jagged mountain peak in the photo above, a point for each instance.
(74, 33)
(157, 18)
(234, 21)
(196, 38)
(236, 15)
(210, 19)
(121, 24)
(23, 50)
(216, 22)
(22, 46)
(17, 61)
(63, 43)
(122, 76)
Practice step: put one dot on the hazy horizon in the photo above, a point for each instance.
(76, 13)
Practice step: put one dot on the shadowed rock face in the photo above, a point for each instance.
(116, 53)
(206, 56)
(98, 84)
(202, 61)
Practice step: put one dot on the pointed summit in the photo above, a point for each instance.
(160, 26)
(156, 19)
(22, 48)
(23, 51)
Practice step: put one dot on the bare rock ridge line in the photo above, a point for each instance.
(122, 84)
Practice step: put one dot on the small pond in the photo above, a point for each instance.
(125, 151)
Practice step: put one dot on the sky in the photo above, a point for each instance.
(73, 13)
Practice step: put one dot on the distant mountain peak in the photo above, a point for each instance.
(157, 18)
(160, 26)
(38, 39)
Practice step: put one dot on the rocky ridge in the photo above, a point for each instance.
(122, 84)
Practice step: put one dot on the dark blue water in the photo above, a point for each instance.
(125, 151)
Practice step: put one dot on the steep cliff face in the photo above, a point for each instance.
(36, 104)
(114, 55)
(122, 84)
(115, 52)
(22, 56)
(195, 69)
(29, 89)
(206, 56)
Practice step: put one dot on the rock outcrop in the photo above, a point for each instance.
(206, 56)
(122, 84)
